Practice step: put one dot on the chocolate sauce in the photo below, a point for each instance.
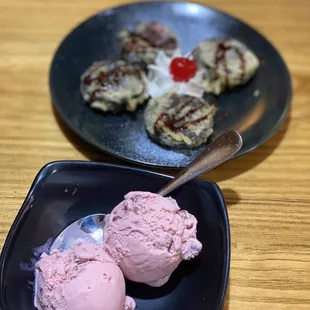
(136, 44)
(158, 36)
(87, 80)
(242, 63)
(171, 43)
(110, 79)
(172, 121)
(220, 54)
(93, 96)
(141, 44)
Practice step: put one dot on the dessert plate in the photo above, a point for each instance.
(256, 110)
(66, 191)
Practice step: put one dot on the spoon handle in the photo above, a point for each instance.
(217, 152)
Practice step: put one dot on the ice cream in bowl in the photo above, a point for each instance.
(144, 238)
(162, 247)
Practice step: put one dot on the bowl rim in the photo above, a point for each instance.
(50, 168)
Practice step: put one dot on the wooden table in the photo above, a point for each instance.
(267, 191)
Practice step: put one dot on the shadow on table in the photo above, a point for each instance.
(250, 160)
(83, 147)
(231, 197)
(226, 171)
(227, 298)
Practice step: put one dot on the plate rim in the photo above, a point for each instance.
(50, 167)
(103, 150)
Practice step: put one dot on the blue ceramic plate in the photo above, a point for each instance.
(256, 110)
(256, 117)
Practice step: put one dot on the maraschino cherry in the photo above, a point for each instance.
(182, 69)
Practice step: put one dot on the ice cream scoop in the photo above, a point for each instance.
(148, 236)
(83, 277)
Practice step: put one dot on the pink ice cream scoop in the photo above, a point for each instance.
(83, 277)
(149, 235)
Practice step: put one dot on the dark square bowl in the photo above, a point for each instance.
(65, 191)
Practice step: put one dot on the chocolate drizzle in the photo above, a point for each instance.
(175, 123)
(136, 44)
(171, 43)
(220, 57)
(93, 96)
(88, 80)
(110, 79)
(156, 34)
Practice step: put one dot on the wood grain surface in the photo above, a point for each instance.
(267, 191)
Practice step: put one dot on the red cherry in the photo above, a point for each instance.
(182, 69)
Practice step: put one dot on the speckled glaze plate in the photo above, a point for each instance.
(256, 110)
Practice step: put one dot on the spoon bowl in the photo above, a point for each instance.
(86, 229)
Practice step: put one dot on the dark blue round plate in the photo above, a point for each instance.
(256, 110)
(66, 191)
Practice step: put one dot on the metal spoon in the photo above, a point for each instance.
(90, 228)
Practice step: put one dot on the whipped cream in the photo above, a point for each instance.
(160, 80)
